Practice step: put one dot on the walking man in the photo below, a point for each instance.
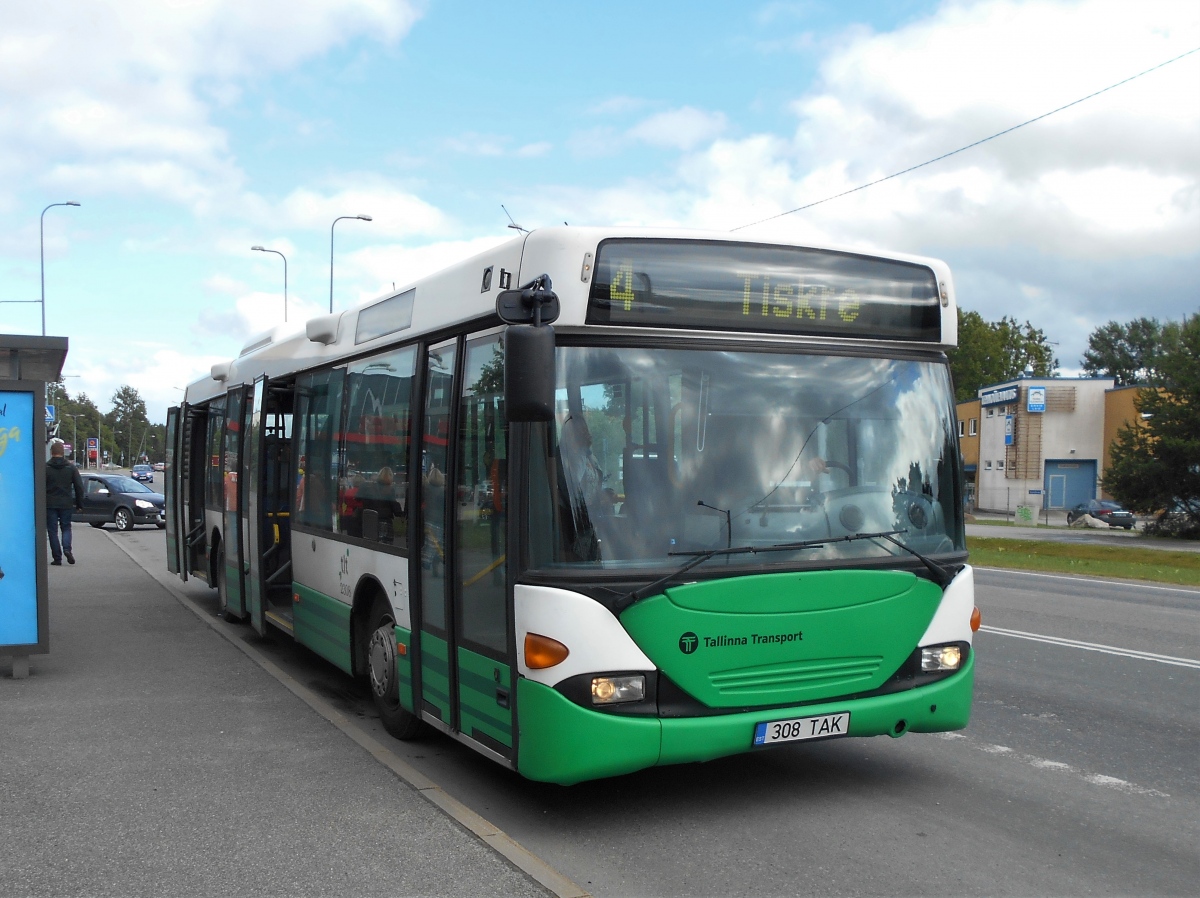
(64, 494)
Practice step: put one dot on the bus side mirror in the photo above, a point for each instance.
(529, 372)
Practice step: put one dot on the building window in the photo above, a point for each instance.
(960, 429)
(987, 465)
(1000, 464)
(974, 427)
(991, 413)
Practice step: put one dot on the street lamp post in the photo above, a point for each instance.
(43, 254)
(263, 249)
(335, 221)
(75, 436)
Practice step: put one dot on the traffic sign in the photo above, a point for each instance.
(49, 414)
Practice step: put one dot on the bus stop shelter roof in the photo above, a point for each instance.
(31, 358)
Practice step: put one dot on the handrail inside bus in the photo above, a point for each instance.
(278, 575)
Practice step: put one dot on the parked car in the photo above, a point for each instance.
(1181, 518)
(120, 500)
(144, 473)
(160, 466)
(1103, 510)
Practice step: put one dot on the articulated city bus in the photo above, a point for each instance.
(599, 500)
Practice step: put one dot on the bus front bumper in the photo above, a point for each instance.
(562, 742)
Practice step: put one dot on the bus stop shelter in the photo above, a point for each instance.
(27, 364)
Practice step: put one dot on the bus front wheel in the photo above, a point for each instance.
(382, 674)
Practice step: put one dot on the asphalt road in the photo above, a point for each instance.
(1077, 776)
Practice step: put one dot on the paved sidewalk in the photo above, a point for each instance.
(146, 755)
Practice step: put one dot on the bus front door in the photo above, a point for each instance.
(467, 660)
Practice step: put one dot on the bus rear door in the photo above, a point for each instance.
(193, 426)
(252, 504)
(233, 545)
(171, 491)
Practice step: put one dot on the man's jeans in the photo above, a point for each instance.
(56, 517)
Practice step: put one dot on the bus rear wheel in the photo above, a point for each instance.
(384, 680)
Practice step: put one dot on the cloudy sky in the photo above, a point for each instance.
(190, 130)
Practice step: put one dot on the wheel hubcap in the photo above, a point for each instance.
(382, 660)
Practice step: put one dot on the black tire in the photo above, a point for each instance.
(97, 524)
(219, 580)
(1070, 517)
(382, 676)
(123, 518)
(161, 526)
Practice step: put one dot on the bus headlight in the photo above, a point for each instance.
(940, 657)
(611, 690)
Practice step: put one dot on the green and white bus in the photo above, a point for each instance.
(598, 500)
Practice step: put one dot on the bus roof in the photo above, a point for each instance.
(467, 291)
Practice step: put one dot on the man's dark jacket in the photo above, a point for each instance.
(61, 478)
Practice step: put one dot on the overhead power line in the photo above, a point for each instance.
(968, 146)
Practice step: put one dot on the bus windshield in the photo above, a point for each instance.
(655, 452)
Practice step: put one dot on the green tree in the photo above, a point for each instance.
(127, 423)
(1128, 353)
(1156, 458)
(993, 352)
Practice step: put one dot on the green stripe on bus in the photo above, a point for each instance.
(435, 674)
(480, 679)
(404, 668)
(323, 624)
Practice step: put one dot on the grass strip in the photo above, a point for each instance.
(1126, 563)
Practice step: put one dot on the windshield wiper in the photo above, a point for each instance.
(941, 575)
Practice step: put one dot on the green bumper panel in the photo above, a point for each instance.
(564, 743)
(775, 639)
(322, 624)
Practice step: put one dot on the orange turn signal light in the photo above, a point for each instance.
(976, 620)
(542, 651)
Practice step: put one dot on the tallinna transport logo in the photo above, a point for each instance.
(688, 643)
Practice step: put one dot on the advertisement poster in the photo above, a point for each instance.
(18, 537)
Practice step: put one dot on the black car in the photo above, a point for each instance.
(120, 500)
(1103, 510)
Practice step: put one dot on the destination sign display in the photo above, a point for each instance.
(710, 285)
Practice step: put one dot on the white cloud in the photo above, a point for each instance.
(1116, 175)
(394, 212)
(681, 129)
(534, 150)
(382, 268)
(109, 87)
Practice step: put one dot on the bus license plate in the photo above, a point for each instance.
(799, 728)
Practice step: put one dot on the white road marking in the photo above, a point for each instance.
(1096, 647)
(1095, 779)
(1140, 585)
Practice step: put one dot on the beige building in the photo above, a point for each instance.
(1041, 442)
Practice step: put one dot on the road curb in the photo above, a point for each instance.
(488, 833)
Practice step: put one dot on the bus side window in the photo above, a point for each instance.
(373, 487)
